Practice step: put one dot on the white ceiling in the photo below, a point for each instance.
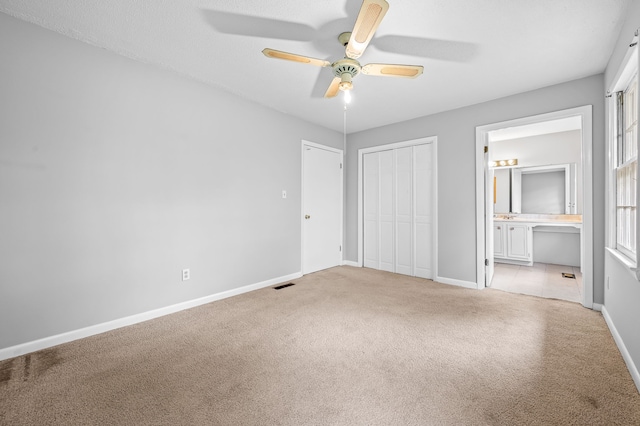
(472, 50)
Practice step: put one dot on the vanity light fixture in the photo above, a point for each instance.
(504, 163)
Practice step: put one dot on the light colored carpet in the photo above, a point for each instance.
(345, 346)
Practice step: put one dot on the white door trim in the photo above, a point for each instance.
(326, 148)
(421, 141)
(586, 241)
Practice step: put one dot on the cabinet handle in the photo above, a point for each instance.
(511, 229)
(498, 228)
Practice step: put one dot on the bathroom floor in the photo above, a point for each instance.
(541, 279)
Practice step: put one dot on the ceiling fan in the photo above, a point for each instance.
(355, 42)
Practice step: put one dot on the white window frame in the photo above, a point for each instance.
(626, 75)
(627, 161)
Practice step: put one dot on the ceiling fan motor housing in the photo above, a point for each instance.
(346, 69)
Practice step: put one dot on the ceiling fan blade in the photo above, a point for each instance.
(369, 18)
(277, 54)
(393, 70)
(333, 89)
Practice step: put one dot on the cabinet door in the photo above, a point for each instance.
(518, 241)
(498, 240)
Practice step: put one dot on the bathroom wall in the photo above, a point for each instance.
(543, 150)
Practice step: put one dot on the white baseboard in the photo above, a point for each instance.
(597, 307)
(351, 263)
(622, 348)
(459, 283)
(69, 336)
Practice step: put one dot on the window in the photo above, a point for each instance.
(626, 171)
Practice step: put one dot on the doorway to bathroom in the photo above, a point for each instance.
(534, 209)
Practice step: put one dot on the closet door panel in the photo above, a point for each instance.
(404, 211)
(386, 207)
(423, 218)
(371, 203)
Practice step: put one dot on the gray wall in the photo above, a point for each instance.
(556, 245)
(115, 175)
(622, 294)
(456, 168)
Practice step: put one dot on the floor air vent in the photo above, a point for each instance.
(565, 275)
(280, 287)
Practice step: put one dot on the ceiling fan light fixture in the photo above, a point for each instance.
(346, 81)
(346, 85)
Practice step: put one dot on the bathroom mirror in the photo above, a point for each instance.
(549, 189)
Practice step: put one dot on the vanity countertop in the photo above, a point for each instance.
(539, 218)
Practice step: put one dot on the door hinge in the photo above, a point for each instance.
(340, 248)
(340, 165)
(486, 262)
(486, 149)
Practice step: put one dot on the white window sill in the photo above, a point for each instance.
(625, 261)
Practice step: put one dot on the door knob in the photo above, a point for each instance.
(306, 216)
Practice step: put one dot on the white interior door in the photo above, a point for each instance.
(398, 210)
(490, 185)
(322, 208)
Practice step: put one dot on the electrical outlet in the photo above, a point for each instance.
(186, 274)
(284, 194)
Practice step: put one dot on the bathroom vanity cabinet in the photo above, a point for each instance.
(513, 235)
(513, 243)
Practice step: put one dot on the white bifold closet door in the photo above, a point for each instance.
(397, 203)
